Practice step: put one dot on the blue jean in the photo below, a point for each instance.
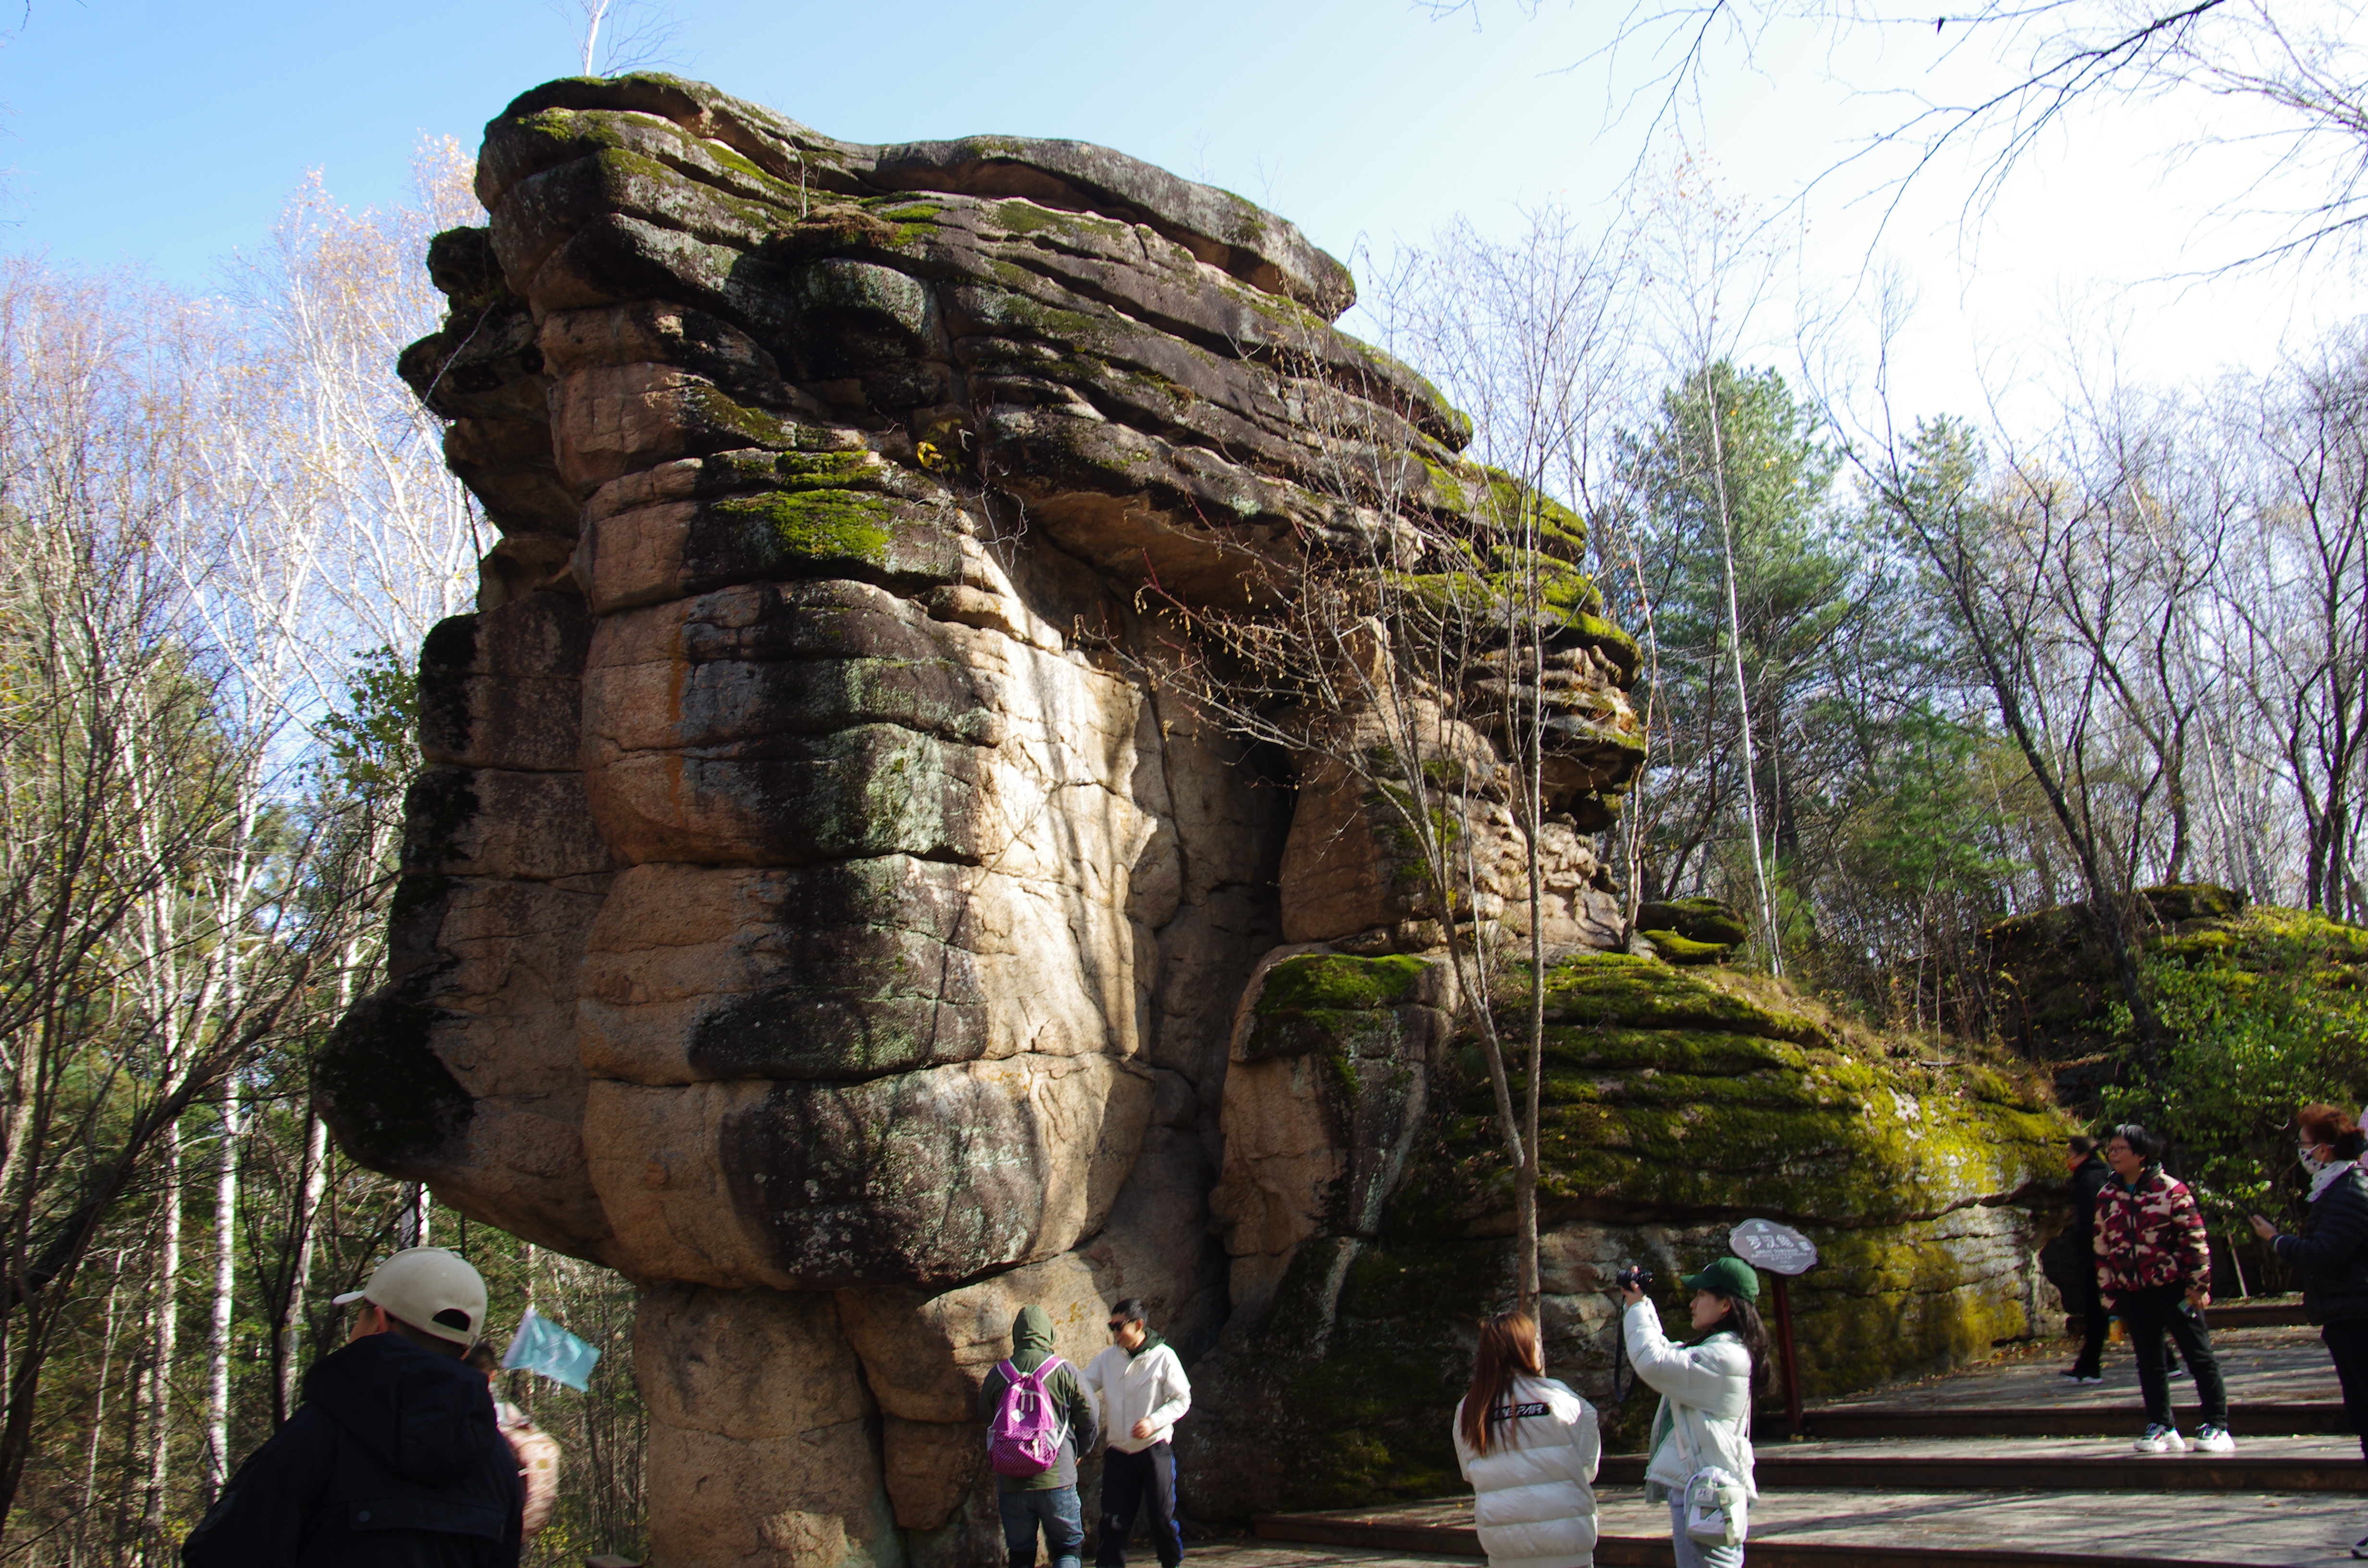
(1057, 1510)
(1691, 1553)
(1132, 1481)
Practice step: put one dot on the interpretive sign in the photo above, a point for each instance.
(1779, 1249)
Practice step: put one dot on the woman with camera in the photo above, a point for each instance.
(1529, 1447)
(1703, 1425)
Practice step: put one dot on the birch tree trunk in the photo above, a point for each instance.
(290, 1332)
(217, 1455)
(163, 1345)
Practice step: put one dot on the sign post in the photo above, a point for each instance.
(1782, 1252)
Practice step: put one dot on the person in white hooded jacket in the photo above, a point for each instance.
(1705, 1420)
(1529, 1447)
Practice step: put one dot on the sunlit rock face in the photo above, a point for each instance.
(812, 907)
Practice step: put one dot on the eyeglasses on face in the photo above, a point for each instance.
(1118, 1324)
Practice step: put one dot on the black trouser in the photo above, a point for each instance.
(1130, 1480)
(2147, 1314)
(2347, 1341)
(2092, 1362)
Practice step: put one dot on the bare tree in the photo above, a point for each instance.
(2285, 80)
(613, 37)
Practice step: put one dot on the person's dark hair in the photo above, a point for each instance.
(1743, 1319)
(1129, 1311)
(2081, 1144)
(2144, 1144)
(426, 1340)
(2331, 1124)
(483, 1358)
(1508, 1346)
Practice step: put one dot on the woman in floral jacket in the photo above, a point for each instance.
(2151, 1252)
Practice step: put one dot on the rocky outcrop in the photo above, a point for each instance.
(820, 906)
(1677, 1102)
(2050, 989)
(814, 906)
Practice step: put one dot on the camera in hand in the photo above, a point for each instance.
(1633, 1276)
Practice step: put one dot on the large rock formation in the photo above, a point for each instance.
(813, 907)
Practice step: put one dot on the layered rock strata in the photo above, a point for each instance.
(813, 905)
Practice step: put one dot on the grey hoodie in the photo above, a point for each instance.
(1031, 1341)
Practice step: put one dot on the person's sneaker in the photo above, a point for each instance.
(2076, 1377)
(2359, 1548)
(2162, 1441)
(2176, 1371)
(2215, 1440)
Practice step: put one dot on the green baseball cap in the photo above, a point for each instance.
(1728, 1276)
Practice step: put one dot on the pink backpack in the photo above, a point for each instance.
(1026, 1435)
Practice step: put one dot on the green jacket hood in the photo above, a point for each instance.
(1031, 1338)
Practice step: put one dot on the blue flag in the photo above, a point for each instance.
(542, 1346)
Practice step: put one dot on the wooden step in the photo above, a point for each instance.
(1649, 1552)
(2053, 1472)
(2257, 1418)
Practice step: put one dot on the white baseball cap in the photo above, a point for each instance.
(431, 1288)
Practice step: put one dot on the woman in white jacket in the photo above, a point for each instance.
(1705, 1421)
(1529, 1447)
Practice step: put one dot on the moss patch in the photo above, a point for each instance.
(1680, 949)
(790, 527)
(1338, 980)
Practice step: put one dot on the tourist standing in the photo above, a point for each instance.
(1040, 1490)
(2151, 1256)
(1705, 1420)
(2089, 1174)
(1529, 1447)
(393, 1459)
(1143, 1393)
(2332, 1253)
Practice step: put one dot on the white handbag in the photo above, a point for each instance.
(1717, 1509)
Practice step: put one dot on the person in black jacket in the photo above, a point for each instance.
(2332, 1253)
(2088, 1177)
(393, 1459)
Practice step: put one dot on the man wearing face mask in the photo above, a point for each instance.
(2151, 1252)
(2332, 1253)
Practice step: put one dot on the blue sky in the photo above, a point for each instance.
(170, 134)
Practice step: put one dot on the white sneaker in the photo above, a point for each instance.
(2164, 1441)
(2215, 1440)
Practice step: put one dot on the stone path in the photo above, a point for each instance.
(2284, 1365)
(1897, 1525)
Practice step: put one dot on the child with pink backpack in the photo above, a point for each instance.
(1039, 1419)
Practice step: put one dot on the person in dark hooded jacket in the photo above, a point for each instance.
(393, 1459)
(1051, 1498)
(2332, 1253)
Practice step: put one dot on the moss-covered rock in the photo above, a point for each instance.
(1675, 949)
(1677, 1102)
(1702, 920)
(2056, 1002)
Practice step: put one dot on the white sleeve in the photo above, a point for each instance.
(1178, 1390)
(1586, 1442)
(1666, 1368)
